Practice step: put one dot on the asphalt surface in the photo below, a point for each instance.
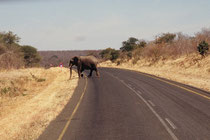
(127, 105)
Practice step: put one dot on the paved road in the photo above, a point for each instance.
(126, 105)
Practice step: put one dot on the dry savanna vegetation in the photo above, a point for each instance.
(174, 56)
(30, 99)
(30, 96)
(13, 55)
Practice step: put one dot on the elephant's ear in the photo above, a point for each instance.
(76, 60)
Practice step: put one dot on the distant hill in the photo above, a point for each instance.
(54, 58)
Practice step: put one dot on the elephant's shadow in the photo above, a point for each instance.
(86, 76)
(83, 77)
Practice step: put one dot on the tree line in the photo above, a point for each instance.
(165, 45)
(14, 55)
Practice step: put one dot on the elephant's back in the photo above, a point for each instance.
(90, 58)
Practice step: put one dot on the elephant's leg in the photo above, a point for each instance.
(79, 72)
(70, 72)
(82, 73)
(97, 73)
(90, 73)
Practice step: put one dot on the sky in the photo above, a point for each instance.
(99, 24)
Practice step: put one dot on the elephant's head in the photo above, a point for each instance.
(73, 61)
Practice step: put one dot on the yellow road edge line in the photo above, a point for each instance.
(73, 113)
(207, 97)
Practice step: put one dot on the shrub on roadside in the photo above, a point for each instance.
(109, 54)
(131, 44)
(165, 38)
(203, 47)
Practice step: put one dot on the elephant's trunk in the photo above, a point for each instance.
(70, 70)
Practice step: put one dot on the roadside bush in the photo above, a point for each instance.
(153, 52)
(115, 54)
(183, 45)
(142, 44)
(203, 47)
(109, 54)
(131, 49)
(129, 45)
(165, 38)
(126, 47)
(129, 55)
(137, 55)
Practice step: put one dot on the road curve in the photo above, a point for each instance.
(127, 105)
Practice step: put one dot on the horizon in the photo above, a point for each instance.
(51, 25)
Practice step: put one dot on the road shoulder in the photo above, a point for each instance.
(53, 131)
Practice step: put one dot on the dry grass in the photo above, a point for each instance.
(191, 69)
(39, 97)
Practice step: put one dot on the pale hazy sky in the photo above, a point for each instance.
(98, 24)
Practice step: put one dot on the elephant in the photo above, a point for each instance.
(84, 63)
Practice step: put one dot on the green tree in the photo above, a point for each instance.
(109, 54)
(115, 54)
(106, 54)
(142, 44)
(129, 45)
(132, 40)
(165, 38)
(31, 56)
(9, 38)
(203, 47)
